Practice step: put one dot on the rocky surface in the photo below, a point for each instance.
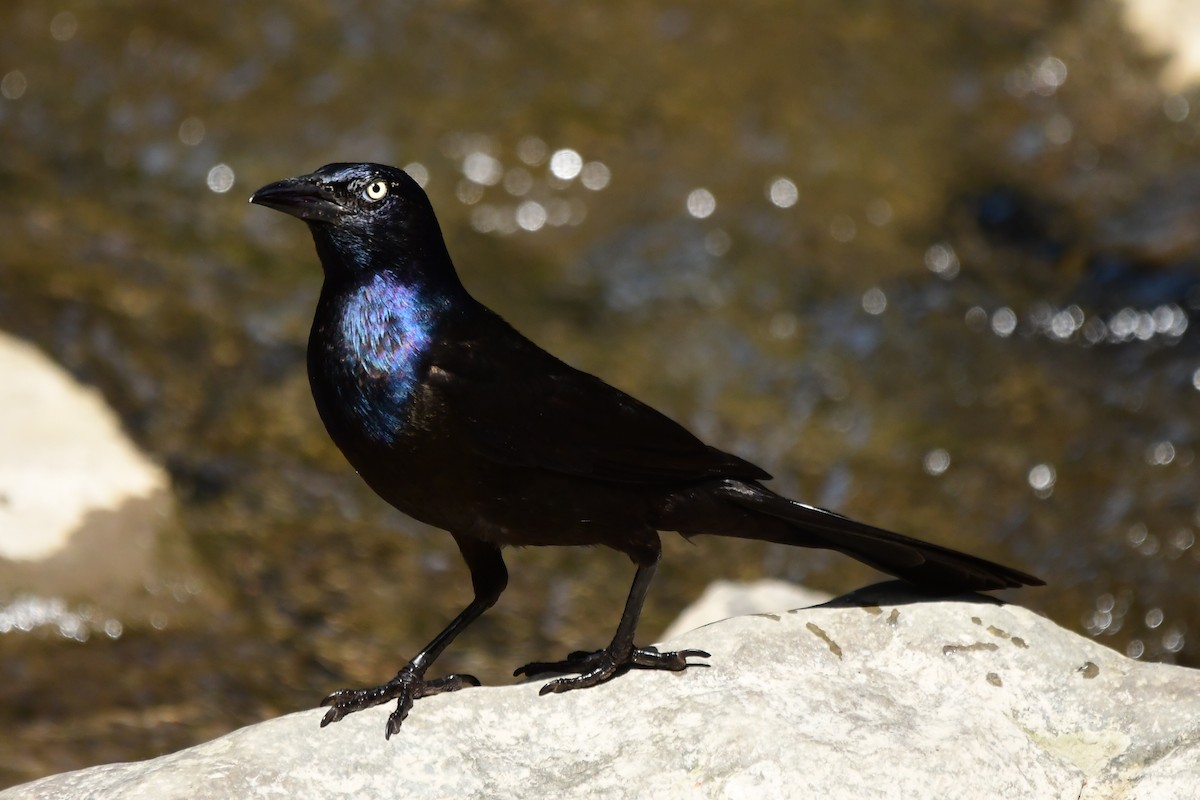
(724, 599)
(877, 694)
(80, 506)
(1170, 29)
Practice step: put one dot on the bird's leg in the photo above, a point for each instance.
(488, 577)
(597, 667)
(409, 683)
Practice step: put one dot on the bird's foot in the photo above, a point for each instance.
(598, 666)
(408, 685)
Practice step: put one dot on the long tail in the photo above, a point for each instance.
(921, 563)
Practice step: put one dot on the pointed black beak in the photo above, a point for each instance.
(305, 197)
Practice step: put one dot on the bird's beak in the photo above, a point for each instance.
(305, 197)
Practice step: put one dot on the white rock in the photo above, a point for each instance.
(1170, 28)
(724, 599)
(64, 455)
(80, 506)
(877, 695)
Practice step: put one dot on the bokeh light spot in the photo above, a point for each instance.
(879, 212)
(1176, 108)
(13, 85)
(936, 462)
(1004, 322)
(64, 26)
(417, 171)
(874, 301)
(1041, 480)
(701, 203)
(595, 175)
(941, 260)
(566, 164)
(481, 168)
(220, 178)
(842, 228)
(783, 192)
(531, 215)
(191, 131)
(531, 150)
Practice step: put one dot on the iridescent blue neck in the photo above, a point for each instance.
(374, 340)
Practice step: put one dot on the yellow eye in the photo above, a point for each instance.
(375, 191)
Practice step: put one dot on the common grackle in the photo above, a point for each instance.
(458, 420)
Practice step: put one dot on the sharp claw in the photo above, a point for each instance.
(406, 687)
(578, 661)
(395, 719)
(526, 670)
(599, 666)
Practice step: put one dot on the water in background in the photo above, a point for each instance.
(932, 264)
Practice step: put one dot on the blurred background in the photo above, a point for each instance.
(933, 264)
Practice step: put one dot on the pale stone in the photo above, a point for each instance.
(880, 694)
(83, 512)
(724, 599)
(64, 456)
(1170, 28)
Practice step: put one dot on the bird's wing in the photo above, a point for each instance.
(523, 407)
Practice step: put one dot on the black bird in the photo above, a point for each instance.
(458, 420)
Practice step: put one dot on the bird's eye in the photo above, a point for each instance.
(375, 191)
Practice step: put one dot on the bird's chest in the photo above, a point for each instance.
(366, 358)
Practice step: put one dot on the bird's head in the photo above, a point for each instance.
(364, 218)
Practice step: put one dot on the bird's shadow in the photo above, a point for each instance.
(899, 593)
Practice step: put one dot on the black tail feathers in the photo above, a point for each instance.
(926, 565)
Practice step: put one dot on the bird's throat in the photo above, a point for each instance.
(370, 342)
